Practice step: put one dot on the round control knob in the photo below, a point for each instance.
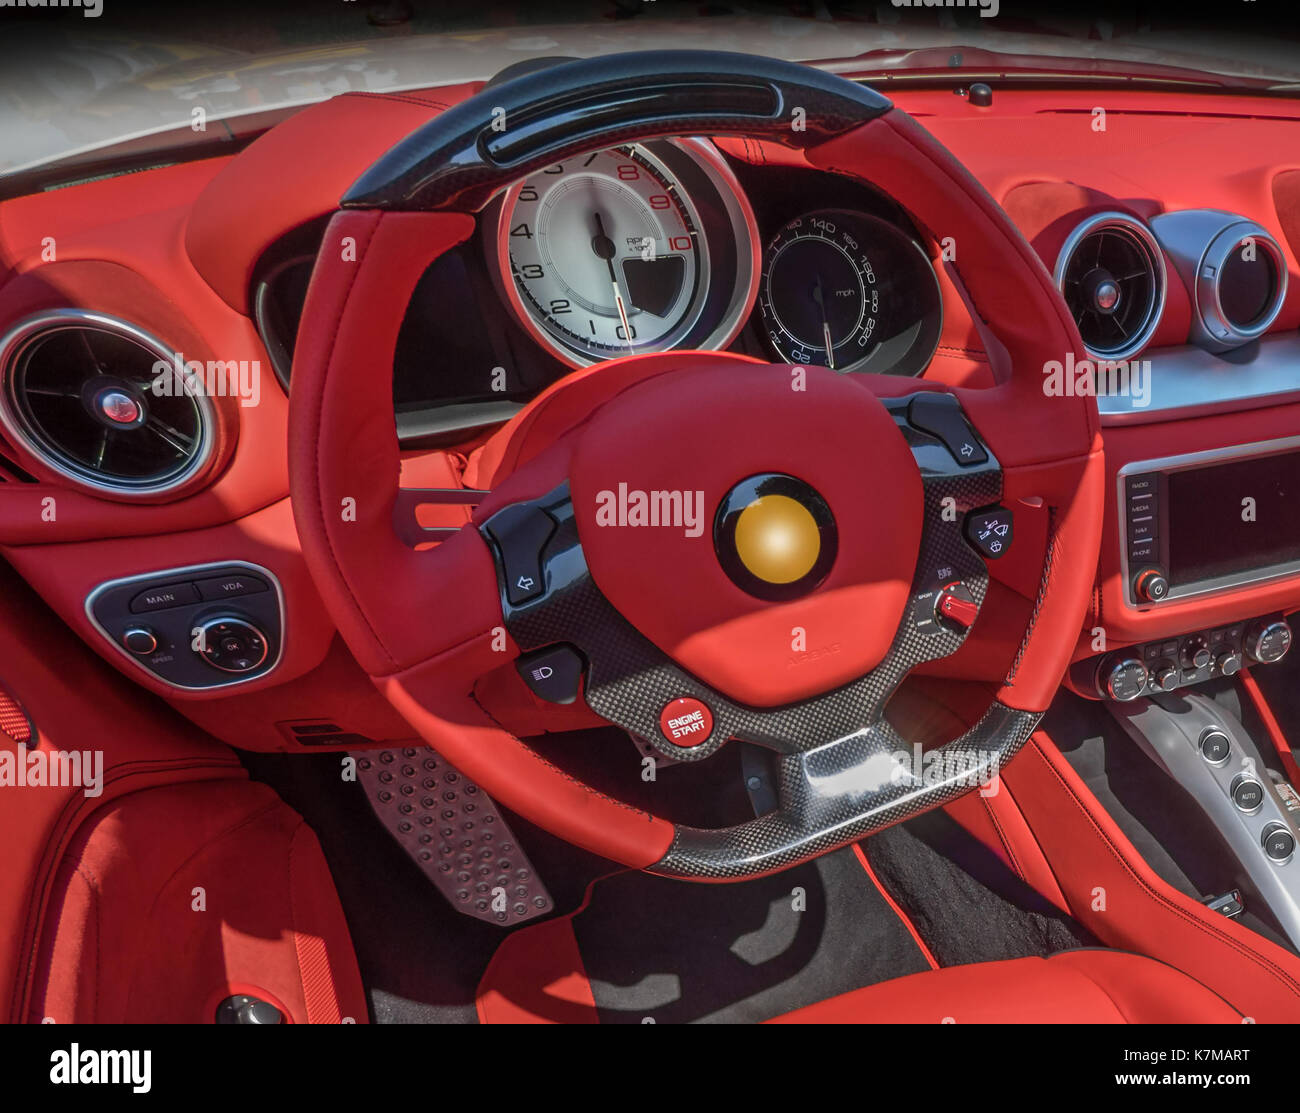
(1215, 746)
(1166, 677)
(1228, 663)
(1126, 680)
(1278, 842)
(1268, 641)
(1196, 654)
(140, 640)
(1247, 793)
(231, 644)
(1150, 585)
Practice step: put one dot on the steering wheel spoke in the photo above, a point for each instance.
(840, 792)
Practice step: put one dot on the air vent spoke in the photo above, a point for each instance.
(50, 392)
(173, 437)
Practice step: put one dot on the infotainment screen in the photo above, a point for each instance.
(1226, 519)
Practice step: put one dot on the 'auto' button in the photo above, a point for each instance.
(554, 674)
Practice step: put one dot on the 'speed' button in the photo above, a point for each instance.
(686, 722)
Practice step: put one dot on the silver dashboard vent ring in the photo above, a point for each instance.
(102, 403)
(1234, 270)
(1111, 272)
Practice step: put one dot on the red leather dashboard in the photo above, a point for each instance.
(174, 250)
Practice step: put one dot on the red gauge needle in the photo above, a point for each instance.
(603, 246)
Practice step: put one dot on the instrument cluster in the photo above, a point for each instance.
(654, 246)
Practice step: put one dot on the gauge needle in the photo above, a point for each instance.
(826, 328)
(603, 246)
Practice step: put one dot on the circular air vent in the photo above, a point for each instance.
(1112, 275)
(102, 403)
(1241, 284)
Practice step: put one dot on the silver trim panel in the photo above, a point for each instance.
(1172, 741)
(176, 573)
(1191, 382)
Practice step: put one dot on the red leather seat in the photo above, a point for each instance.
(172, 899)
(1073, 987)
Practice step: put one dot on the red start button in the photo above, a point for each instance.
(686, 722)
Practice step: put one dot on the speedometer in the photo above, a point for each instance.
(850, 292)
(640, 248)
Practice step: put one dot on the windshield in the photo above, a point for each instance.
(72, 81)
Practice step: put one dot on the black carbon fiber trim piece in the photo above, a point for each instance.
(465, 154)
(822, 804)
(452, 830)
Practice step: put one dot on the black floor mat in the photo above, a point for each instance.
(672, 951)
(676, 951)
(965, 903)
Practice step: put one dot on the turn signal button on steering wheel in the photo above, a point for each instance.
(686, 722)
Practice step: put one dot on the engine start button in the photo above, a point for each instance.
(686, 722)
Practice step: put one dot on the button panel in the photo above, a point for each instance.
(208, 625)
(1179, 662)
(1141, 517)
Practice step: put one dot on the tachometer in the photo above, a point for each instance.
(633, 249)
(850, 292)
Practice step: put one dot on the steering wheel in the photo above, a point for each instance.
(895, 491)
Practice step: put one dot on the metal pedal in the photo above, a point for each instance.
(452, 830)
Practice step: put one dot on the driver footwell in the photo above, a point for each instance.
(634, 947)
(643, 948)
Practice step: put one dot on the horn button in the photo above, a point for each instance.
(759, 524)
